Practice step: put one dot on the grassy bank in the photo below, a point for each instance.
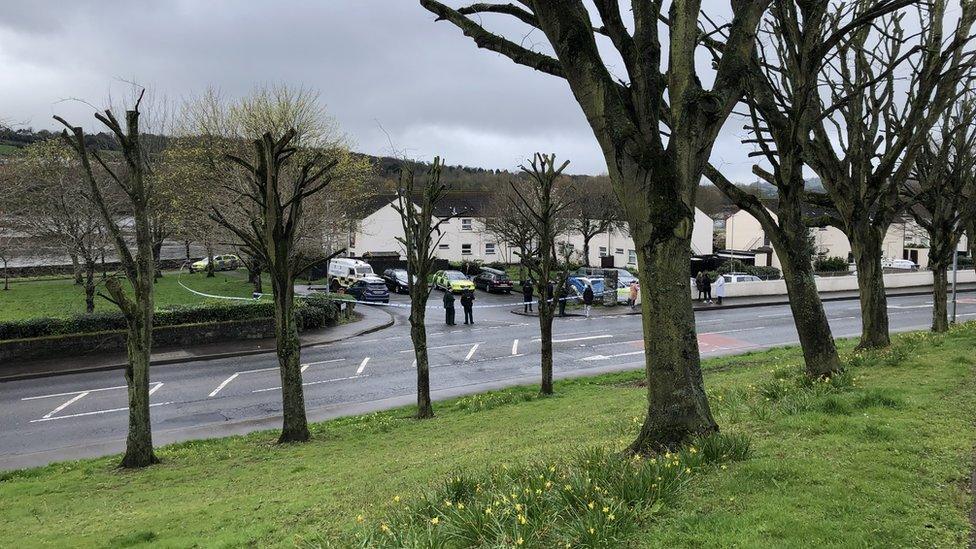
(880, 459)
(61, 297)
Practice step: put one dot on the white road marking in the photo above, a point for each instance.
(362, 366)
(95, 413)
(471, 352)
(69, 393)
(440, 347)
(305, 367)
(515, 347)
(222, 385)
(154, 389)
(70, 401)
(604, 336)
(325, 361)
(734, 331)
(607, 357)
(313, 383)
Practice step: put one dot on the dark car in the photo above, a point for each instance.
(493, 280)
(396, 281)
(370, 289)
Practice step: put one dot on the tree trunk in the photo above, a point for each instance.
(866, 245)
(813, 329)
(418, 335)
(89, 285)
(6, 276)
(294, 426)
(210, 262)
(254, 274)
(186, 247)
(586, 250)
(940, 295)
(76, 269)
(545, 332)
(677, 405)
(157, 251)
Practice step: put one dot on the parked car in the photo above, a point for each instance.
(226, 262)
(579, 283)
(370, 289)
(493, 280)
(396, 281)
(732, 278)
(452, 281)
(623, 275)
(904, 264)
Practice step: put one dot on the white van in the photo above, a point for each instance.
(344, 271)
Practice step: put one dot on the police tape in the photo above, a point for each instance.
(342, 297)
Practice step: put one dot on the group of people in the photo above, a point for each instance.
(703, 283)
(467, 303)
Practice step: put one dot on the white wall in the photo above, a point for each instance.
(838, 283)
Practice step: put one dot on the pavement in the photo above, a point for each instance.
(82, 414)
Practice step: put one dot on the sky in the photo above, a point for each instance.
(384, 69)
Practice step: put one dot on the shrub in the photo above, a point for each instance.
(830, 265)
(736, 266)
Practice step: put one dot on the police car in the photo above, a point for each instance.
(343, 272)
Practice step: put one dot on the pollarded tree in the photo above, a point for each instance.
(882, 88)
(272, 233)
(512, 230)
(942, 196)
(542, 204)
(595, 213)
(795, 38)
(421, 235)
(654, 175)
(132, 178)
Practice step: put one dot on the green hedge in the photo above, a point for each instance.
(830, 265)
(311, 313)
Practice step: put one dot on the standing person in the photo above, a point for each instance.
(719, 288)
(467, 303)
(707, 287)
(564, 297)
(587, 300)
(633, 294)
(449, 308)
(527, 295)
(700, 285)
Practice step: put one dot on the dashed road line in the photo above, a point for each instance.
(587, 338)
(313, 383)
(362, 366)
(515, 347)
(222, 385)
(471, 352)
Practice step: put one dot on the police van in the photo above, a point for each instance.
(345, 271)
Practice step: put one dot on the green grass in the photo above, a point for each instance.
(61, 297)
(879, 457)
(6, 149)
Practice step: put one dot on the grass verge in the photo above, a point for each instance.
(879, 457)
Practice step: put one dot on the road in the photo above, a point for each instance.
(82, 415)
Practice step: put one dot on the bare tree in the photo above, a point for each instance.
(942, 194)
(59, 210)
(654, 175)
(273, 236)
(543, 204)
(507, 227)
(132, 177)
(882, 89)
(596, 212)
(421, 235)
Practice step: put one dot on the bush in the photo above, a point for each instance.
(311, 313)
(736, 266)
(830, 265)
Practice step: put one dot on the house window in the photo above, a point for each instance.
(443, 246)
(465, 249)
(603, 251)
(489, 248)
(619, 251)
(466, 224)
(632, 257)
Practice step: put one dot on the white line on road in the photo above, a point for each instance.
(95, 413)
(71, 401)
(471, 352)
(362, 366)
(734, 331)
(515, 347)
(325, 361)
(154, 389)
(605, 336)
(222, 385)
(313, 383)
(440, 347)
(69, 393)
(607, 357)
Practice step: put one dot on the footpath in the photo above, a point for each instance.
(759, 301)
(369, 319)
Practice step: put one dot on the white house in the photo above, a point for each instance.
(465, 237)
(904, 240)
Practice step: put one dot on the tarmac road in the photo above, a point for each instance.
(81, 415)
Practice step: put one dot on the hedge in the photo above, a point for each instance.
(311, 313)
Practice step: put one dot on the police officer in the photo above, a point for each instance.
(527, 294)
(449, 308)
(467, 303)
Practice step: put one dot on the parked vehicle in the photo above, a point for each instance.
(904, 264)
(452, 281)
(732, 278)
(623, 275)
(579, 283)
(493, 280)
(344, 271)
(396, 281)
(226, 262)
(371, 289)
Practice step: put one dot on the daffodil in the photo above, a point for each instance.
(396, 499)
(606, 509)
(592, 530)
(460, 506)
(384, 528)
(591, 505)
(435, 520)
(611, 517)
(519, 541)
(522, 519)
(360, 519)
